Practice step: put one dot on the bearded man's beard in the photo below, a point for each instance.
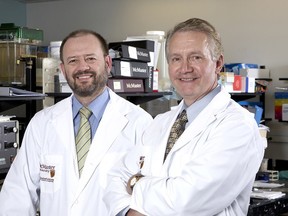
(86, 90)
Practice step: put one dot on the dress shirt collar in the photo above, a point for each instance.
(194, 109)
(97, 106)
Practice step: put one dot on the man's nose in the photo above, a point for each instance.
(83, 65)
(186, 66)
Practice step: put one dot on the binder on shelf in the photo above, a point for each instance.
(144, 44)
(130, 53)
(126, 85)
(11, 91)
(133, 69)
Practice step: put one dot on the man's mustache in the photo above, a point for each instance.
(79, 73)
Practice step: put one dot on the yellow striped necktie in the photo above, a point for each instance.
(83, 138)
(176, 131)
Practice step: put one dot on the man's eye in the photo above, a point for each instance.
(194, 58)
(91, 60)
(175, 59)
(72, 61)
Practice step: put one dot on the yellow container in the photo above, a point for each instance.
(12, 68)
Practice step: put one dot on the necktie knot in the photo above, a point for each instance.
(182, 118)
(85, 112)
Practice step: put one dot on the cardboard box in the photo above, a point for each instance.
(227, 77)
(227, 80)
(256, 73)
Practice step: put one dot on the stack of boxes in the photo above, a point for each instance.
(246, 78)
(131, 68)
(242, 78)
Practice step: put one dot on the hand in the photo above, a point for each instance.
(133, 212)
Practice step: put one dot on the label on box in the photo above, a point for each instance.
(126, 85)
(237, 84)
(131, 69)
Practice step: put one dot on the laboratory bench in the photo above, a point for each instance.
(270, 207)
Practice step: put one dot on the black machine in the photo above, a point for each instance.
(9, 142)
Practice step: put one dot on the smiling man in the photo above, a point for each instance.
(200, 158)
(85, 68)
(61, 169)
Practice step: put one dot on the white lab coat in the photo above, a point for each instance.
(45, 170)
(209, 171)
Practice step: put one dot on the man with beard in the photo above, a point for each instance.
(49, 173)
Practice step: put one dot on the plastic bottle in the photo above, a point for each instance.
(164, 83)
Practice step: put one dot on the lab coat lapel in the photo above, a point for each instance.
(193, 130)
(190, 133)
(102, 141)
(63, 122)
(219, 102)
(156, 153)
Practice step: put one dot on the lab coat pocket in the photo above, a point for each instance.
(50, 173)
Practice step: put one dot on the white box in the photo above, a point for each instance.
(227, 77)
(250, 84)
(255, 72)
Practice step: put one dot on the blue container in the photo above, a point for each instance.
(235, 67)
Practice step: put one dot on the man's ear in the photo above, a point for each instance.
(63, 71)
(108, 62)
(219, 64)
